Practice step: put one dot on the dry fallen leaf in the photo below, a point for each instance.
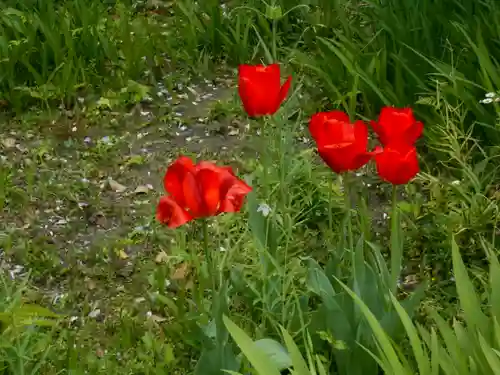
(142, 189)
(8, 142)
(157, 319)
(122, 254)
(115, 186)
(161, 257)
(91, 285)
(181, 272)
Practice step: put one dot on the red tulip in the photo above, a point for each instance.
(396, 164)
(342, 145)
(200, 190)
(396, 126)
(260, 89)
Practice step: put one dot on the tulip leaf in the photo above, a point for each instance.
(276, 353)
(384, 342)
(262, 227)
(466, 293)
(298, 362)
(255, 355)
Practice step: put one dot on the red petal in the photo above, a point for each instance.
(396, 117)
(192, 196)
(283, 92)
(337, 115)
(361, 135)
(170, 213)
(234, 196)
(209, 185)
(259, 88)
(397, 125)
(327, 128)
(414, 132)
(174, 178)
(379, 130)
(397, 165)
(360, 160)
(349, 153)
(338, 134)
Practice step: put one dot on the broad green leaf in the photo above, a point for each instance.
(490, 355)
(318, 282)
(258, 359)
(299, 364)
(451, 343)
(494, 276)
(276, 353)
(382, 338)
(212, 361)
(415, 341)
(379, 263)
(469, 300)
(435, 350)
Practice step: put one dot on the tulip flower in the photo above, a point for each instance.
(396, 126)
(260, 89)
(396, 164)
(342, 145)
(199, 190)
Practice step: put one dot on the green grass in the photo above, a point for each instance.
(97, 99)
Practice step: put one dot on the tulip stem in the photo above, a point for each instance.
(348, 207)
(208, 255)
(275, 41)
(396, 248)
(264, 157)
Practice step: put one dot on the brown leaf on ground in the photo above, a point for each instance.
(115, 186)
(8, 142)
(161, 257)
(181, 272)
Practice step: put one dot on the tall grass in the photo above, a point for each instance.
(388, 52)
(385, 52)
(52, 50)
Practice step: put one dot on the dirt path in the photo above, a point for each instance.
(78, 194)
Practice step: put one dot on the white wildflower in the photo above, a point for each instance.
(264, 209)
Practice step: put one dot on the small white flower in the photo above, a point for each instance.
(95, 313)
(487, 101)
(106, 140)
(455, 183)
(264, 209)
(490, 95)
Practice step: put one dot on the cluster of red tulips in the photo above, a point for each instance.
(205, 190)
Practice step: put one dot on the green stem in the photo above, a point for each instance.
(275, 57)
(264, 154)
(396, 250)
(208, 254)
(348, 207)
(330, 207)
